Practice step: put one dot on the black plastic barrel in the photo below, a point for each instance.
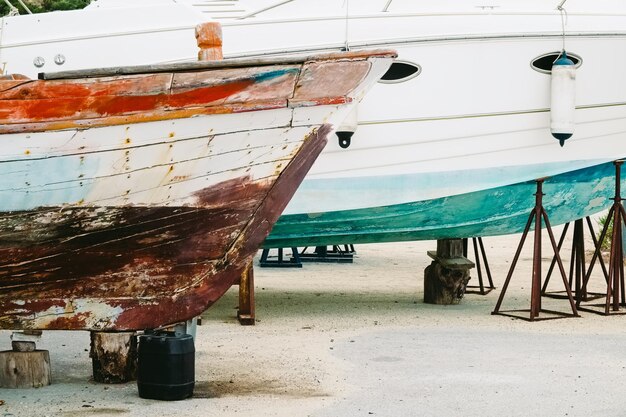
(165, 366)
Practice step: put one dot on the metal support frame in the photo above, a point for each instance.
(577, 268)
(471, 289)
(280, 262)
(537, 214)
(336, 254)
(615, 289)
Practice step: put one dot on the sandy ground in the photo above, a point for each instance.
(356, 340)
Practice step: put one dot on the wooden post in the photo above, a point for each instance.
(446, 277)
(24, 366)
(246, 313)
(113, 357)
(209, 38)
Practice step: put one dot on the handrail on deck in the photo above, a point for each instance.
(14, 10)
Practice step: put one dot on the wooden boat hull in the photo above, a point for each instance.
(138, 267)
(135, 201)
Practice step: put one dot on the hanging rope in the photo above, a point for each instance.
(347, 3)
(563, 12)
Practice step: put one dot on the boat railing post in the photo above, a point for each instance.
(209, 38)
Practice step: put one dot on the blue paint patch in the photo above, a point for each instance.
(266, 76)
(54, 181)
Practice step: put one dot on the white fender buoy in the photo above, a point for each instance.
(563, 98)
(348, 127)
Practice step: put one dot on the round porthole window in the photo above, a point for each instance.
(544, 62)
(400, 71)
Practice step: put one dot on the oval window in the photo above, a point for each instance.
(400, 71)
(544, 62)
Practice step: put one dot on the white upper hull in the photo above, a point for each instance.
(476, 116)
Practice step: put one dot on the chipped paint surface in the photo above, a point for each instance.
(136, 201)
(138, 267)
(41, 105)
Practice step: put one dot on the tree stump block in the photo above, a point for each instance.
(444, 285)
(446, 278)
(113, 357)
(24, 369)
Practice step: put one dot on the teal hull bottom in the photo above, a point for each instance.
(497, 211)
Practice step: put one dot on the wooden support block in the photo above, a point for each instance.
(113, 357)
(446, 277)
(24, 369)
(23, 346)
(246, 313)
(450, 248)
(444, 285)
(454, 263)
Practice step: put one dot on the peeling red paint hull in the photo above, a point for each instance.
(153, 266)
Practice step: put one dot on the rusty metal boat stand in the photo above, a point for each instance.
(325, 254)
(279, 261)
(578, 268)
(329, 254)
(479, 260)
(615, 289)
(537, 214)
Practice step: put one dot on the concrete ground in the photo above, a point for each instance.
(356, 340)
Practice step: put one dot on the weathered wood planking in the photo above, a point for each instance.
(24, 147)
(319, 82)
(160, 174)
(104, 101)
(155, 267)
(150, 97)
